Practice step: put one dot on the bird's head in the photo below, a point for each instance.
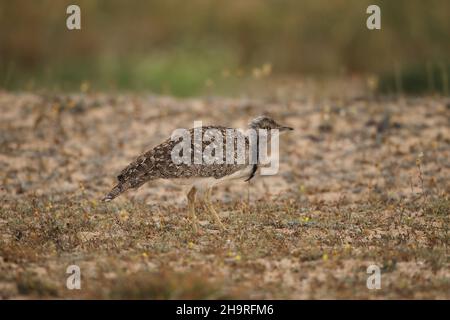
(267, 123)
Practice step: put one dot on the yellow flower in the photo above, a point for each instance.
(237, 258)
(325, 257)
(123, 215)
(257, 73)
(305, 219)
(84, 87)
(267, 69)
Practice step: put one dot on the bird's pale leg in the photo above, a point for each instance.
(191, 208)
(211, 209)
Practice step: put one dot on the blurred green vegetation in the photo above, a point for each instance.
(416, 79)
(192, 47)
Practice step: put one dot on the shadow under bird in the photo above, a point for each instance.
(158, 163)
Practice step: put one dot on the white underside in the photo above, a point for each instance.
(203, 184)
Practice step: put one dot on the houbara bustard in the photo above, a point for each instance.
(158, 163)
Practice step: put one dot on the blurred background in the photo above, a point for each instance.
(195, 47)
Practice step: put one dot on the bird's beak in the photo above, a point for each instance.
(283, 129)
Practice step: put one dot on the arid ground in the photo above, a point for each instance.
(363, 180)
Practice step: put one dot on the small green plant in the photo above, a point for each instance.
(438, 207)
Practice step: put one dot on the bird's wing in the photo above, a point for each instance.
(148, 164)
(157, 162)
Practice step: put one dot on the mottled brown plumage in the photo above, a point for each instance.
(158, 162)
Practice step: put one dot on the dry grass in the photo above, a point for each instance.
(356, 187)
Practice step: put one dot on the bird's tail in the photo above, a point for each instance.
(116, 191)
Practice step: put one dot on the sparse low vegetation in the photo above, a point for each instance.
(345, 198)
